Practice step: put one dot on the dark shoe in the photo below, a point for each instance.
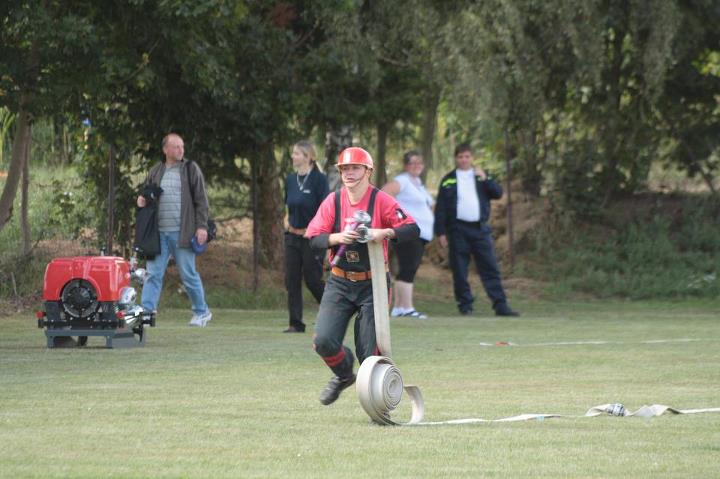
(332, 391)
(504, 310)
(293, 329)
(466, 312)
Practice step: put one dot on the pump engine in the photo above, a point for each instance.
(92, 296)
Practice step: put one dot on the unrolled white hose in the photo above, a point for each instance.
(379, 383)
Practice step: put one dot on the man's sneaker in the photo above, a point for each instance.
(294, 329)
(415, 314)
(504, 310)
(201, 320)
(332, 391)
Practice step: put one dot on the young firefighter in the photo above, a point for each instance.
(349, 287)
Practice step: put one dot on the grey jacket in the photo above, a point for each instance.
(193, 214)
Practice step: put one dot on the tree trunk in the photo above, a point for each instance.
(270, 207)
(24, 223)
(60, 145)
(508, 171)
(380, 160)
(531, 167)
(427, 130)
(336, 140)
(709, 179)
(111, 201)
(611, 134)
(22, 138)
(6, 121)
(256, 223)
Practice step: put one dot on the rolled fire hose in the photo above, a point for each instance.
(379, 383)
(379, 386)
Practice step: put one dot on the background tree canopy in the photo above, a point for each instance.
(580, 98)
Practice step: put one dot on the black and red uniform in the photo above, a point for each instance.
(349, 287)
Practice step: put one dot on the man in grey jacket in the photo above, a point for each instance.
(182, 214)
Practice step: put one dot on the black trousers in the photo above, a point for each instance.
(342, 300)
(466, 239)
(409, 255)
(301, 261)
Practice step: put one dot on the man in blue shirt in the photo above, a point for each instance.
(461, 222)
(182, 215)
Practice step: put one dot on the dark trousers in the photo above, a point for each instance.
(342, 299)
(409, 255)
(474, 239)
(301, 261)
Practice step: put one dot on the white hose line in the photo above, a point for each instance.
(602, 410)
(645, 411)
(596, 342)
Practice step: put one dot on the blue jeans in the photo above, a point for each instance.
(185, 262)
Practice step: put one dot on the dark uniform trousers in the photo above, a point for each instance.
(301, 261)
(474, 239)
(341, 300)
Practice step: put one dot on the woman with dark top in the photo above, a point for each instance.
(304, 191)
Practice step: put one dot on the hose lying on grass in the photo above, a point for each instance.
(616, 409)
(379, 383)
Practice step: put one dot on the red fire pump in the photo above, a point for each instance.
(92, 296)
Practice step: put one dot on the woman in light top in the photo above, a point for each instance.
(410, 193)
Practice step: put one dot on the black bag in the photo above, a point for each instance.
(211, 226)
(147, 233)
(212, 230)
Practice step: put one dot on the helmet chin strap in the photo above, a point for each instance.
(358, 190)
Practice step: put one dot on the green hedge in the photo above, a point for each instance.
(669, 250)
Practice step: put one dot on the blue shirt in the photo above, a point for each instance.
(303, 195)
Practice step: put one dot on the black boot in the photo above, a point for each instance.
(336, 385)
(502, 309)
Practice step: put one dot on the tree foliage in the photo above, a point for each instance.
(583, 95)
(591, 92)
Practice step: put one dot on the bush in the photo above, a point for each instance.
(55, 213)
(659, 254)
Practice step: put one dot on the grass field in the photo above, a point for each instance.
(239, 398)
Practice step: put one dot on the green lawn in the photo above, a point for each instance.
(239, 398)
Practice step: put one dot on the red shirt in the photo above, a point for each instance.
(386, 214)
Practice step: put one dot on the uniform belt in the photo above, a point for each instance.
(352, 275)
(470, 223)
(297, 231)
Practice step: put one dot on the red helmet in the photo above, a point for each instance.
(355, 156)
